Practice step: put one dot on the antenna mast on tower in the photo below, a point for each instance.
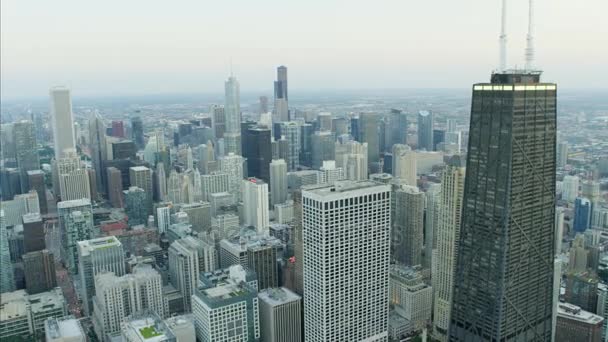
(503, 38)
(530, 37)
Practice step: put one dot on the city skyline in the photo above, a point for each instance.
(371, 215)
(139, 56)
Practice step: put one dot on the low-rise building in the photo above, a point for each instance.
(146, 326)
(23, 315)
(64, 329)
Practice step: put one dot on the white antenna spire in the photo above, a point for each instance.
(503, 38)
(530, 37)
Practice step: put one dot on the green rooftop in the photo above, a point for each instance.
(149, 332)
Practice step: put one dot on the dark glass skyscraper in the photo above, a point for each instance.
(281, 100)
(257, 148)
(368, 133)
(503, 285)
(425, 130)
(137, 131)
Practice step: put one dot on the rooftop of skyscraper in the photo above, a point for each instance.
(146, 326)
(63, 329)
(73, 203)
(340, 187)
(278, 296)
(87, 246)
(139, 168)
(45, 301)
(31, 217)
(574, 312)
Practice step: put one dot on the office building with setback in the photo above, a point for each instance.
(94, 256)
(447, 232)
(503, 284)
(188, 257)
(119, 297)
(346, 244)
(76, 224)
(226, 309)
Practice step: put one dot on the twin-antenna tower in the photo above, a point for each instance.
(529, 53)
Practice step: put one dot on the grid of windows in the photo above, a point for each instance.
(346, 260)
(503, 285)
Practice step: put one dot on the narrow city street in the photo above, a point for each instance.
(67, 286)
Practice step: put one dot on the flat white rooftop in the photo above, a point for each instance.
(574, 312)
(278, 296)
(339, 189)
(139, 168)
(87, 246)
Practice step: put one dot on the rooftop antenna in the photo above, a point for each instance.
(503, 38)
(231, 73)
(530, 37)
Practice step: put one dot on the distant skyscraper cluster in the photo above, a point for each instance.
(257, 220)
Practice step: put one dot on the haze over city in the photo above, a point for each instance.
(310, 171)
(140, 47)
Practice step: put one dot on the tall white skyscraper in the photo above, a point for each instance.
(278, 181)
(431, 217)
(232, 110)
(63, 121)
(404, 164)
(255, 203)
(346, 229)
(72, 177)
(160, 182)
(95, 256)
(448, 233)
(163, 219)
(570, 186)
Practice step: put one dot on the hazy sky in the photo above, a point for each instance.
(147, 46)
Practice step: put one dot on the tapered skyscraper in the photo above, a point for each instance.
(503, 283)
(447, 232)
(232, 112)
(63, 121)
(281, 104)
(97, 141)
